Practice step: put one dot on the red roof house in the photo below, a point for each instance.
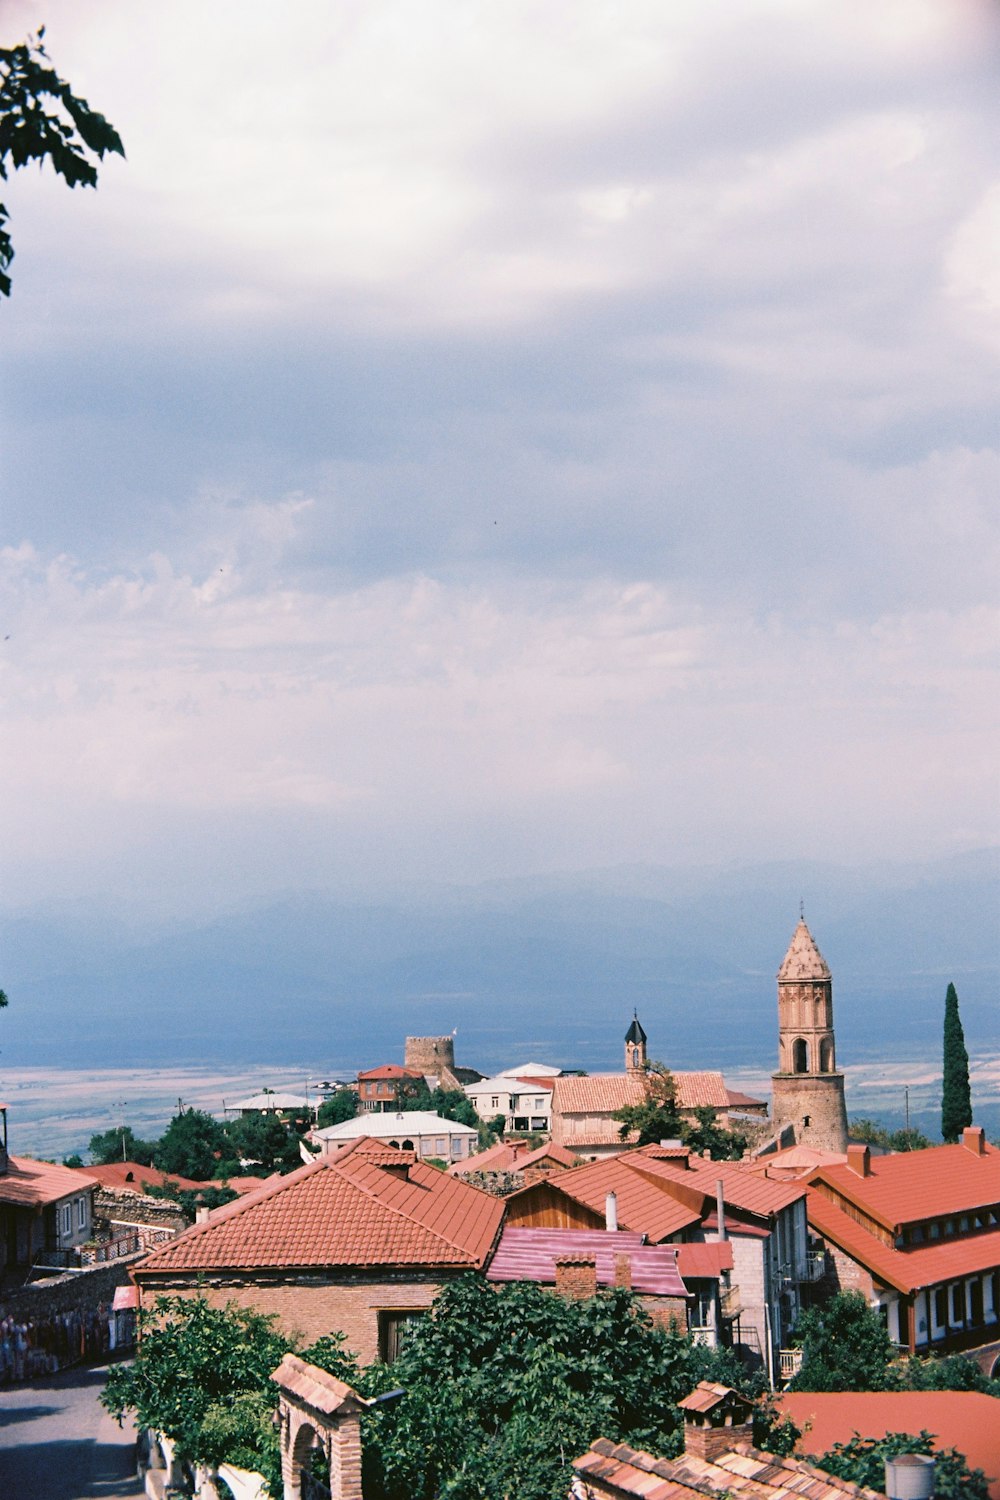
(918, 1232)
(359, 1240)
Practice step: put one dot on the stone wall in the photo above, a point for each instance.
(135, 1208)
(81, 1291)
(818, 1098)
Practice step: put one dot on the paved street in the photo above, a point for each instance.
(58, 1443)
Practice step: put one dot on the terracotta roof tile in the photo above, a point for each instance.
(616, 1469)
(741, 1187)
(606, 1092)
(129, 1176)
(704, 1261)
(319, 1389)
(343, 1210)
(31, 1184)
(512, 1158)
(658, 1210)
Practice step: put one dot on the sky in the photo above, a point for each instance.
(468, 440)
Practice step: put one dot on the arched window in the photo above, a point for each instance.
(800, 1056)
(826, 1055)
(407, 1145)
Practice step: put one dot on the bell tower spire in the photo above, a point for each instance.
(807, 1089)
(635, 1047)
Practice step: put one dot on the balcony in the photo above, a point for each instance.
(789, 1364)
(704, 1335)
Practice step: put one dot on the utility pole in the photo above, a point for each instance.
(906, 1100)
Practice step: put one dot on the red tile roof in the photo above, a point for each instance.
(32, 1184)
(342, 1210)
(906, 1270)
(388, 1070)
(656, 1209)
(966, 1420)
(512, 1157)
(129, 1176)
(531, 1255)
(741, 1188)
(704, 1262)
(599, 1093)
(615, 1469)
(907, 1186)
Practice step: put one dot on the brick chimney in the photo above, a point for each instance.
(859, 1159)
(576, 1277)
(623, 1270)
(974, 1139)
(715, 1420)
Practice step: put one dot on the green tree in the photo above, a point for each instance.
(533, 1379)
(956, 1096)
(845, 1347)
(907, 1140)
(261, 1139)
(42, 120)
(862, 1460)
(192, 1145)
(120, 1144)
(874, 1134)
(949, 1372)
(657, 1117)
(342, 1105)
(201, 1375)
(704, 1134)
(3, 994)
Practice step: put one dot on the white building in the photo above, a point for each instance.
(524, 1101)
(417, 1130)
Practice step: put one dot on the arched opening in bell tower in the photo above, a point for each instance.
(826, 1055)
(800, 1056)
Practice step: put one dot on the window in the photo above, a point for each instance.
(66, 1217)
(958, 1303)
(941, 1308)
(392, 1327)
(81, 1213)
(441, 1145)
(495, 1101)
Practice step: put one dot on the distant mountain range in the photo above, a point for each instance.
(550, 968)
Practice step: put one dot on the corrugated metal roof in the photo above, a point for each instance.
(741, 1187)
(530, 1255)
(966, 1420)
(32, 1184)
(907, 1186)
(906, 1270)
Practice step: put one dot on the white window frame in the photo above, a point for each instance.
(81, 1213)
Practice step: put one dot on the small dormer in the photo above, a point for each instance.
(716, 1418)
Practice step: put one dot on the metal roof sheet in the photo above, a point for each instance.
(524, 1254)
(906, 1186)
(32, 1184)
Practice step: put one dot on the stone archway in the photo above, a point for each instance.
(318, 1411)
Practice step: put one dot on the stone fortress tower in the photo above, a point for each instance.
(807, 1092)
(430, 1054)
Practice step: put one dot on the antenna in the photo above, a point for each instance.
(802, 910)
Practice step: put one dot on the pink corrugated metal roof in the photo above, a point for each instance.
(531, 1255)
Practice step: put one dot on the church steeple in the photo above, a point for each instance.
(635, 1047)
(808, 1091)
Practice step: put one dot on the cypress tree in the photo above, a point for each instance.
(956, 1096)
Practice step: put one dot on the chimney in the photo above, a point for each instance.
(576, 1277)
(201, 1214)
(715, 1420)
(623, 1270)
(974, 1139)
(611, 1213)
(859, 1160)
(720, 1208)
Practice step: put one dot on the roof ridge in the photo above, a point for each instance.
(409, 1218)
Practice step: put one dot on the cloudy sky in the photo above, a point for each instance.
(469, 439)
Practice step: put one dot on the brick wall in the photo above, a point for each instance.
(307, 1310)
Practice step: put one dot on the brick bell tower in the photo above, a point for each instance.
(807, 1091)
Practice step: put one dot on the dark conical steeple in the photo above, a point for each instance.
(635, 1047)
